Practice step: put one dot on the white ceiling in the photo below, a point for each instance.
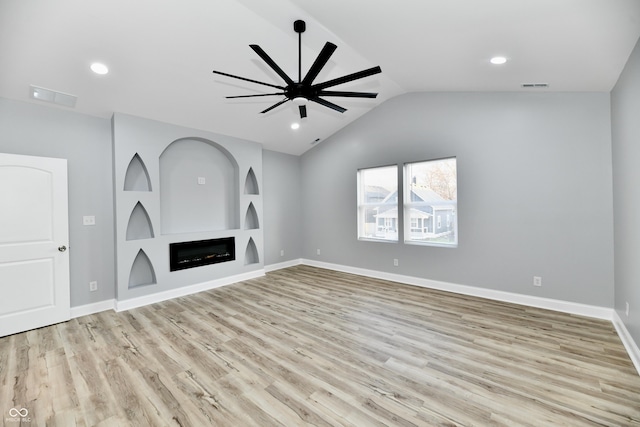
(161, 54)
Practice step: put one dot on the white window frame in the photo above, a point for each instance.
(437, 236)
(372, 231)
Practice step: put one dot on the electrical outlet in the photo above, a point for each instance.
(89, 220)
(317, 251)
(93, 286)
(281, 252)
(202, 180)
(626, 310)
(537, 281)
(395, 262)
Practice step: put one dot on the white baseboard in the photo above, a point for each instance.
(628, 342)
(113, 304)
(281, 265)
(185, 290)
(531, 301)
(96, 307)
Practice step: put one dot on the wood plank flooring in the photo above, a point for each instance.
(309, 347)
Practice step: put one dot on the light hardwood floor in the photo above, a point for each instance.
(306, 346)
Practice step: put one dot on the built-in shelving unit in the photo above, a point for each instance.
(173, 185)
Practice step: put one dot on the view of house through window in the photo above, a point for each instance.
(431, 202)
(430, 208)
(378, 203)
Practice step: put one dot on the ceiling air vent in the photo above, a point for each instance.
(535, 85)
(48, 95)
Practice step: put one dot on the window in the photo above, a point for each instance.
(431, 195)
(378, 203)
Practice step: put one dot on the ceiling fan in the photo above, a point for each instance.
(304, 90)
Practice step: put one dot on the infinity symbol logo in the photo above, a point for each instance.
(22, 412)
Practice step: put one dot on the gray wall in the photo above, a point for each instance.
(625, 129)
(85, 142)
(534, 190)
(282, 207)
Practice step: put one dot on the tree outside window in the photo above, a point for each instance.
(431, 202)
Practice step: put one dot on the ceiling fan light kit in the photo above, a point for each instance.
(304, 90)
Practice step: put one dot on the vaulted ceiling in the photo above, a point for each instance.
(161, 54)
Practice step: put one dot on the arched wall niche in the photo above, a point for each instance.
(142, 272)
(251, 183)
(137, 176)
(139, 226)
(251, 253)
(199, 187)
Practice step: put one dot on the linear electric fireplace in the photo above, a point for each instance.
(201, 252)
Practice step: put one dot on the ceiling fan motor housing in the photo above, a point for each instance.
(299, 26)
(299, 90)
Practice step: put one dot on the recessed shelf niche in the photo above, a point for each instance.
(142, 272)
(199, 189)
(251, 183)
(251, 218)
(251, 254)
(137, 176)
(139, 226)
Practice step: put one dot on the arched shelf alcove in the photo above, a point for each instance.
(251, 183)
(137, 176)
(142, 272)
(251, 218)
(251, 254)
(139, 226)
(199, 187)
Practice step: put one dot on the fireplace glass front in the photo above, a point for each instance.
(202, 252)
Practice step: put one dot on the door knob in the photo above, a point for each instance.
(62, 248)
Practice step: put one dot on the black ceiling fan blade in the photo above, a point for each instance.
(270, 62)
(350, 77)
(252, 96)
(328, 104)
(347, 94)
(277, 104)
(303, 111)
(319, 63)
(247, 80)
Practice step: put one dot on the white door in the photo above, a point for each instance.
(34, 236)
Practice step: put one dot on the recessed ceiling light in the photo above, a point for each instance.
(99, 68)
(295, 126)
(498, 60)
